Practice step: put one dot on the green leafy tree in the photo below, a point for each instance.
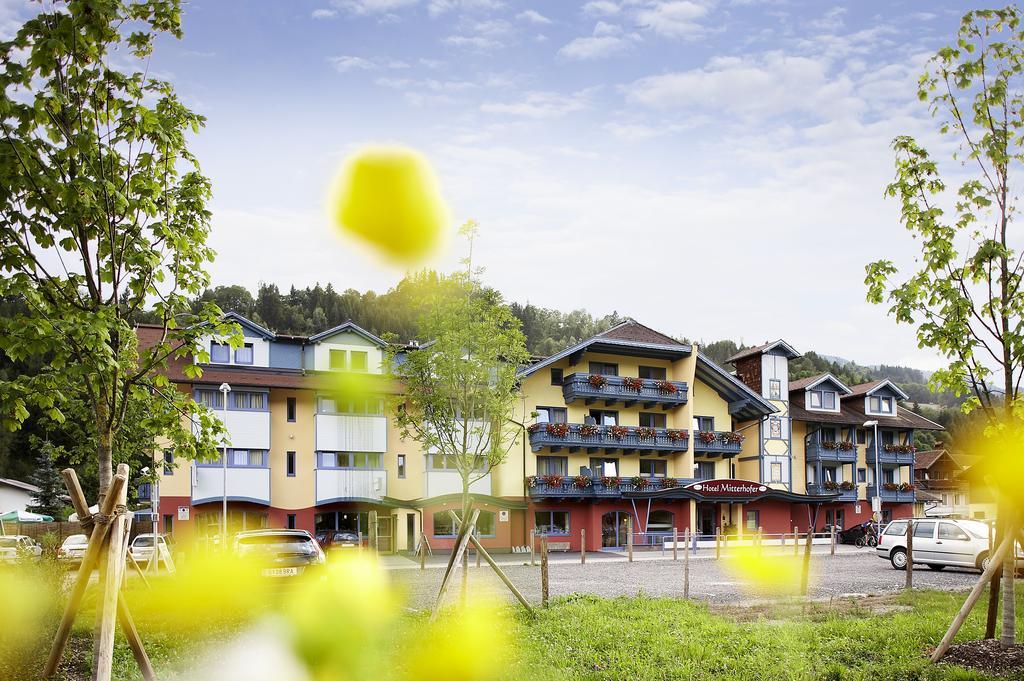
(966, 299)
(460, 387)
(104, 215)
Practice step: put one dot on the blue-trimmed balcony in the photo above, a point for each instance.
(844, 494)
(717, 442)
(898, 455)
(577, 436)
(838, 452)
(581, 486)
(893, 495)
(624, 390)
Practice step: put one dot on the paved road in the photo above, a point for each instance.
(847, 573)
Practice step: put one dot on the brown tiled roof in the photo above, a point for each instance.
(748, 352)
(804, 382)
(863, 388)
(926, 459)
(632, 330)
(852, 415)
(924, 495)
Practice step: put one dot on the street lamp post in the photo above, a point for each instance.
(224, 390)
(878, 481)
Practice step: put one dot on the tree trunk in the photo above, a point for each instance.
(105, 461)
(1009, 634)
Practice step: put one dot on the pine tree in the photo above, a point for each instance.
(50, 499)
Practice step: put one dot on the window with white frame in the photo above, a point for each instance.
(822, 399)
(249, 400)
(880, 404)
(359, 360)
(774, 389)
(212, 399)
(551, 522)
(336, 359)
(244, 354)
(220, 353)
(552, 465)
(775, 472)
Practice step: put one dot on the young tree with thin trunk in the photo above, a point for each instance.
(102, 216)
(965, 297)
(460, 387)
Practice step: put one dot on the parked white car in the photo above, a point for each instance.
(142, 546)
(73, 548)
(13, 547)
(938, 543)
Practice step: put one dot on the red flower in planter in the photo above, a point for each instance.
(531, 480)
(639, 482)
(610, 481)
(582, 482)
(830, 445)
(846, 446)
(597, 381)
(589, 430)
(557, 429)
(890, 487)
(707, 437)
(906, 487)
(669, 483)
(732, 438)
(619, 432)
(666, 387)
(552, 480)
(644, 433)
(631, 383)
(677, 435)
(846, 485)
(830, 485)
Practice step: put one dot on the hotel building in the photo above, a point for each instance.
(629, 428)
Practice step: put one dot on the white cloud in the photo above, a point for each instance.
(832, 20)
(673, 18)
(605, 7)
(606, 40)
(540, 105)
(476, 42)
(364, 7)
(346, 63)
(533, 16)
(438, 7)
(482, 36)
(324, 13)
(751, 86)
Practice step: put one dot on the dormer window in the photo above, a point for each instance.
(881, 405)
(822, 399)
(220, 353)
(243, 355)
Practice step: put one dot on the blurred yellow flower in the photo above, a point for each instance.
(466, 644)
(389, 197)
(765, 575)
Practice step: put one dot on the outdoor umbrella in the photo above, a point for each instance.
(25, 517)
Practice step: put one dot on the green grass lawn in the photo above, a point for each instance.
(584, 637)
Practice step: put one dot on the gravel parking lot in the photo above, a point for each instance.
(845, 574)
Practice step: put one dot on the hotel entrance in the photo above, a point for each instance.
(614, 529)
(707, 516)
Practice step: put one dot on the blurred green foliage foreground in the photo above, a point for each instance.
(217, 619)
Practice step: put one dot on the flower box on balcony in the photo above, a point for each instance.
(900, 449)
(589, 430)
(597, 381)
(707, 437)
(666, 387)
(552, 480)
(677, 435)
(669, 483)
(632, 383)
(890, 487)
(559, 430)
(644, 433)
(639, 482)
(582, 482)
(731, 438)
(846, 486)
(830, 485)
(618, 432)
(609, 481)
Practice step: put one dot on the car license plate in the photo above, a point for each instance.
(281, 572)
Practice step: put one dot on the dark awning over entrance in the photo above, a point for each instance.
(731, 491)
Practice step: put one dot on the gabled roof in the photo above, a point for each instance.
(250, 325)
(628, 338)
(10, 482)
(744, 403)
(765, 348)
(871, 386)
(815, 381)
(851, 413)
(351, 326)
(925, 460)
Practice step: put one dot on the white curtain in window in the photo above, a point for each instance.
(239, 457)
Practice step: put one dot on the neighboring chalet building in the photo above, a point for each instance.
(629, 428)
(941, 491)
(15, 495)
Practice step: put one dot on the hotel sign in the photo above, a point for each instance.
(728, 488)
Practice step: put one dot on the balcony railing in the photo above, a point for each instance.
(893, 495)
(338, 484)
(350, 433)
(577, 436)
(587, 486)
(844, 494)
(243, 484)
(629, 391)
(717, 442)
(897, 454)
(840, 452)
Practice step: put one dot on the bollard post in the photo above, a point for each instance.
(675, 544)
(805, 573)
(533, 542)
(686, 566)
(910, 554)
(796, 540)
(544, 571)
(583, 546)
(832, 539)
(629, 537)
(718, 543)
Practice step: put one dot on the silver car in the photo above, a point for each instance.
(938, 542)
(18, 546)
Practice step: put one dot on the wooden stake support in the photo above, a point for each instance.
(805, 572)
(108, 531)
(910, 554)
(675, 543)
(583, 546)
(686, 564)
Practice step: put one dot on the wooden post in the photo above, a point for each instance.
(996, 585)
(629, 537)
(504, 578)
(544, 570)
(359, 540)
(718, 543)
(112, 564)
(464, 577)
(832, 539)
(93, 551)
(675, 543)
(910, 554)
(686, 564)
(805, 573)
(759, 540)
(796, 540)
(533, 542)
(423, 551)
(477, 557)
(994, 565)
(461, 541)
(583, 546)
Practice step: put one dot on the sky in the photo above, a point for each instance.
(712, 168)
